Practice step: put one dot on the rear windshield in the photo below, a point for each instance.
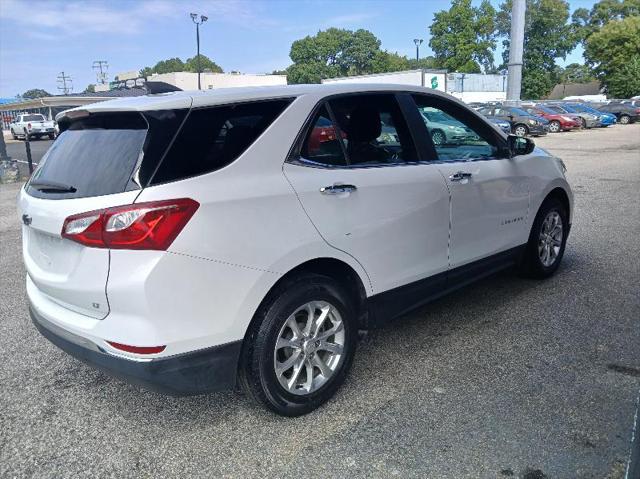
(95, 156)
(33, 118)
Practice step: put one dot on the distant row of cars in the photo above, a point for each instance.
(540, 118)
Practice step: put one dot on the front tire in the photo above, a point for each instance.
(300, 346)
(625, 119)
(547, 240)
(554, 126)
(438, 137)
(13, 134)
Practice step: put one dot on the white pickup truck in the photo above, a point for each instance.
(37, 126)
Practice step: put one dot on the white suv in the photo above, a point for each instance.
(198, 241)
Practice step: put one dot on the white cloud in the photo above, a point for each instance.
(74, 18)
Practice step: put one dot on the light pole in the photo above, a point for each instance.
(418, 42)
(198, 22)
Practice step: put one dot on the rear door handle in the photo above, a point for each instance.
(460, 175)
(337, 189)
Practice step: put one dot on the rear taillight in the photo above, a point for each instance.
(149, 226)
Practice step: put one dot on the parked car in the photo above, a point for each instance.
(557, 121)
(504, 125)
(606, 119)
(195, 241)
(522, 122)
(624, 112)
(589, 120)
(444, 129)
(36, 125)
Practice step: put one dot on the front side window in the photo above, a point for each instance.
(453, 136)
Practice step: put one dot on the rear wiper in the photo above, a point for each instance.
(52, 186)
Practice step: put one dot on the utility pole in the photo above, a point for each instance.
(418, 42)
(101, 67)
(194, 18)
(516, 47)
(65, 84)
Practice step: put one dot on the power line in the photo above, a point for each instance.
(101, 67)
(65, 84)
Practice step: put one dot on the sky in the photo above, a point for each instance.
(41, 38)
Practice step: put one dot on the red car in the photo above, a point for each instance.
(557, 121)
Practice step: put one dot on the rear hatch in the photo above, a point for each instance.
(100, 160)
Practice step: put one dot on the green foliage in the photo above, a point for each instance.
(91, 88)
(338, 52)
(176, 65)
(547, 36)
(614, 53)
(576, 73)
(625, 82)
(587, 22)
(463, 37)
(35, 93)
(191, 65)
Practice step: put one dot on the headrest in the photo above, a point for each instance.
(364, 124)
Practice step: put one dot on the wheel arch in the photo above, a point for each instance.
(340, 271)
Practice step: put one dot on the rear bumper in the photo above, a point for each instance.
(202, 371)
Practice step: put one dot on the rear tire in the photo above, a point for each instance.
(584, 123)
(625, 119)
(554, 126)
(52, 136)
(547, 240)
(521, 130)
(287, 363)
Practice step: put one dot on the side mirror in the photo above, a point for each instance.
(519, 145)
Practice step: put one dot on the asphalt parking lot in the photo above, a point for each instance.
(506, 378)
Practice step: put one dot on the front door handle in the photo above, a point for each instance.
(337, 189)
(460, 175)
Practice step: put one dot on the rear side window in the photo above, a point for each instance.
(95, 156)
(212, 138)
(322, 144)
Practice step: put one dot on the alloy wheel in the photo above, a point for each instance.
(438, 138)
(309, 347)
(520, 130)
(624, 119)
(550, 239)
(554, 127)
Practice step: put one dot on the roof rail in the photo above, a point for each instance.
(154, 87)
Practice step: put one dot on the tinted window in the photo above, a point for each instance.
(455, 133)
(322, 144)
(374, 128)
(212, 138)
(94, 156)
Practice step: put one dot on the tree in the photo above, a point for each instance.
(191, 65)
(614, 53)
(336, 52)
(576, 73)
(91, 88)
(35, 93)
(587, 22)
(463, 38)
(547, 36)
(164, 66)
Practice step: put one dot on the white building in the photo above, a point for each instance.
(209, 81)
(435, 79)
